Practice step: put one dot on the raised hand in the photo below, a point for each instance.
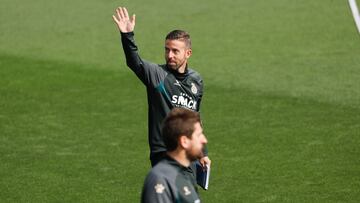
(122, 20)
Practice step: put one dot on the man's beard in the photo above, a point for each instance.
(176, 66)
(194, 157)
(173, 67)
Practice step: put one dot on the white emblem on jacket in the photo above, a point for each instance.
(193, 88)
(177, 83)
(186, 190)
(159, 188)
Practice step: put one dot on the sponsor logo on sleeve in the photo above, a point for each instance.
(186, 191)
(159, 188)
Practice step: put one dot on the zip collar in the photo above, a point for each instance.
(179, 76)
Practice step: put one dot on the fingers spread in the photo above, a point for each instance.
(133, 19)
(118, 13)
(122, 13)
(115, 19)
(126, 14)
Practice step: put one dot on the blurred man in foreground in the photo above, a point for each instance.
(169, 180)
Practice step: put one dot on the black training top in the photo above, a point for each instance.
(165, 89)
(169, 181)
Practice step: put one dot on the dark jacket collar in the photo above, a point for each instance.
(175, 163)
(179, 76)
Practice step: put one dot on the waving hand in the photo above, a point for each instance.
(123, 21)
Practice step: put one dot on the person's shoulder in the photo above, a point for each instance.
(164, 169)
(164, 68)
(154, 68)
(159, 185)
(162, 173)
(150, 63)
(193, 73)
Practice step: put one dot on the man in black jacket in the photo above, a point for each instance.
(170, 85)
(169, 180)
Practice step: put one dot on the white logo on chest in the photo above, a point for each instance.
(194, 88)
(183, 100)
(177, 83)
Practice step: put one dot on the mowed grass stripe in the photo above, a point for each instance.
(300, 48)
(69, 133)
(281, 149)
(81, 132)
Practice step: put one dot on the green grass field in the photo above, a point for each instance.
(281, 108)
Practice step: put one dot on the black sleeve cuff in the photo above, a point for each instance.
(127, 34)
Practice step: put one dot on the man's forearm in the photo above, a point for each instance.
(131, 51)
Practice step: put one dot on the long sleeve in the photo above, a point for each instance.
(156, 190)
(133, 59)
(149, 73)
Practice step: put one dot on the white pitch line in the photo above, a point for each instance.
(355, 12)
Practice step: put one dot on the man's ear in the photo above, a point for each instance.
(188, 53)
(184, 142)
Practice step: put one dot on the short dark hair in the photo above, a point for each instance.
(178, 122)
(179, 35)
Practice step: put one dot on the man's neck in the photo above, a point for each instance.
(182, 69)
(179, 156)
